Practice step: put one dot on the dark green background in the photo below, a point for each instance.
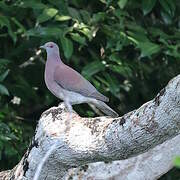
(129, 50)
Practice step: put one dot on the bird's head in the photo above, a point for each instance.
(51, 48)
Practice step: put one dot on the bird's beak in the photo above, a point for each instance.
(42, 47)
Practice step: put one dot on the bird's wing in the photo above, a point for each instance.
(71, 80)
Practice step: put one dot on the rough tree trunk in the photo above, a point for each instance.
(137, 135)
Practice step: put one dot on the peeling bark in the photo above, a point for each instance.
(89, 140)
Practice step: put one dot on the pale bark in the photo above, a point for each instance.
(87, 140)
(147, 166)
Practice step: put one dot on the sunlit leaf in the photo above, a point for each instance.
(76, 37)
(137, 37)
(4, 75)
(122, 3)
(148, 48)
(173, 50)
(62, 18)
(116, 58)
(177, 162)
(87, 32)
(45, 31)
(4, 138)
(47, 14)
(166, 17)
(103, 1)
(3, 90)
(123, 70)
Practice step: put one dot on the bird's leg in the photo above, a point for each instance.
(68, 106)
(69, 116)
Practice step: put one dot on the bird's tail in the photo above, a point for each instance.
(105, 108)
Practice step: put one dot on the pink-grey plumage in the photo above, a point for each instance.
(68, 85)
(71, 80)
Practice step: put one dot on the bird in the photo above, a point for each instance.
(69, 85)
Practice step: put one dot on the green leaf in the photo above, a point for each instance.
(76, 37)
(12, 136)
(102, 80)
(67, 46)
(136, 33)
(136, 28)
(86, 16)
(172, 50)
(2, 116)
(3, 63)
(166, 17)
(115, 58)
(137, 37)
(156, 32)
(4, 21)
(62, 5)
(177, 162)
(120, 13)
(32, 4)
(44, 31)
(148, 48)
(121, 69)
(4, 128)
(168, 6)
(4, 75)
(100, 16)
(87, 32)
(22, 28)
(62, 18)
(74, 14)
(147, 6)
(47, 14)
(4, 138)
(113, 84)
(122, 3)
(5, 7)
(3, 90)
(103, 1)
(93, 68)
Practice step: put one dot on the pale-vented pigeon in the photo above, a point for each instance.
(68, 85)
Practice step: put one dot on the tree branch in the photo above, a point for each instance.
(86, 140)
(147, 166)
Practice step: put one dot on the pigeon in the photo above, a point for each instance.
(69, 85)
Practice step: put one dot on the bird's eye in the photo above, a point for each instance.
(51, 46)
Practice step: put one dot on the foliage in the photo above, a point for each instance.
(128, 49)
(177, 161)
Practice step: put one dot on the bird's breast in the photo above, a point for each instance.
(49, 79)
